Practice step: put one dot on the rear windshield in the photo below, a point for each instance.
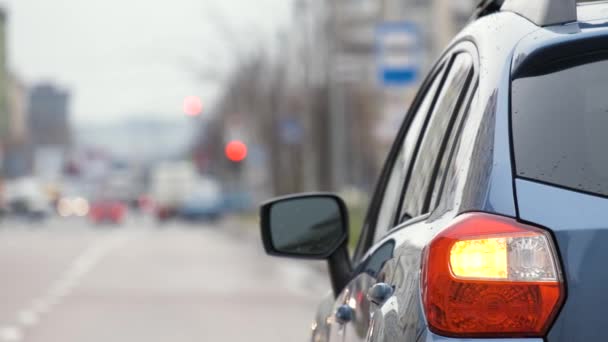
(560, 125)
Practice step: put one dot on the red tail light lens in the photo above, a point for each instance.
(491, 276)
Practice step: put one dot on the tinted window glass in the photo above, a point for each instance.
(306, 226)
(446, 172)
(394, 188)
(560, 126)
(440, 122)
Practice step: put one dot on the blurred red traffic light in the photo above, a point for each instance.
(236, 151)
(193, 106)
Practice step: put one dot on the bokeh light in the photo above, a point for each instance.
(236, 151)
(64, 207)
(80, 207)
(193, 106)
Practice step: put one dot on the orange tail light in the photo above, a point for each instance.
(491, 276)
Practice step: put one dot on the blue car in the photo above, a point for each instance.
(201, 210)
(205, 203)
(490, 218)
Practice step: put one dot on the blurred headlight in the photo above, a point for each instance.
(64, 207)
(77, 206)
(80, 207)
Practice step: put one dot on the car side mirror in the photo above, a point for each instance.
(309, 226)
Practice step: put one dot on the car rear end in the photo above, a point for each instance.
(559, 132)
(108, 212)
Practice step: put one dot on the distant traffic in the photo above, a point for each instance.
(171, 191)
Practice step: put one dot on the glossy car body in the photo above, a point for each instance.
(475, 171)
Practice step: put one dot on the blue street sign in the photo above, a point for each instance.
(398, 53)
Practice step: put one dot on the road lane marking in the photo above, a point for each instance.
(28, 318)
(62, 288)
(40, 306)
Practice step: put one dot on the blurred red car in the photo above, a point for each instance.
(107, 211)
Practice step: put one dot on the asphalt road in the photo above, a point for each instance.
(66, 280)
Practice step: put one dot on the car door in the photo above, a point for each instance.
(398, 317)
(372, 268)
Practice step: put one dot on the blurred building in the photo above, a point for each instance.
(17, 156)
(48, 115)
(17, 104)
(4, 108)
(49, 128)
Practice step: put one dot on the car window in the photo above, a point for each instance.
(425, 167)
(447, 172)
(394, 188)
(562, 142)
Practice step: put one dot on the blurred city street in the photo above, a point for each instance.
(68, 280)
(138, 139)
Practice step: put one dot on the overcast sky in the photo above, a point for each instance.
(124, 58)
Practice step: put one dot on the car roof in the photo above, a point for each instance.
(515, 34)
(545, 13)
(592, 11)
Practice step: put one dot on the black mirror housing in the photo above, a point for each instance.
(312, 244)
(307, 226)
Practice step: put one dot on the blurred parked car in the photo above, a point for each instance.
(237, 202)
(107, 211)
(172, 183)
(25, 197)
(204, 203)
